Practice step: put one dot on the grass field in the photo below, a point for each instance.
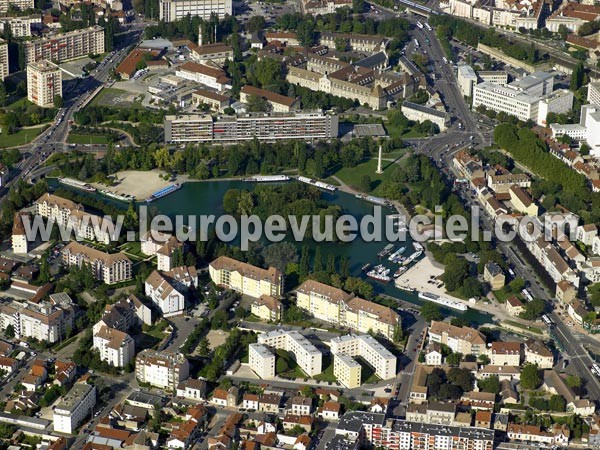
(523, 327)
(327, 373)
(502, 295)
(21, 137)
(352, 175)
(115, 98)
(74, 138)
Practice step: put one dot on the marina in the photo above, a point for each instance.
(77, 184)
(164, 192)
(319, 184)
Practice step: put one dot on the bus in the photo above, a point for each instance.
(427, 26)
(527, 295)
(595, 369)
(420, 25)
(547, 320)
(416, 43)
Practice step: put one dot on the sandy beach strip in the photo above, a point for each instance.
(141, 184)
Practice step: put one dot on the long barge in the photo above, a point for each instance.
(454, 304)
(77, 184)
(319, 184)
(164, 192)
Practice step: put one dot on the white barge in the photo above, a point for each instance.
(319, 184)
(266, 178)
(77, 184)
(454, 304)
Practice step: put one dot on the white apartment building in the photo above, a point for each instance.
(588, 128)
(466, 78)
(164, 370)
(20, 4)
(62, 47)
(109, 268)
(3, 59)
(74, 407)
(164, 294)
(420, 113)
(308, 357)
(368, 348)
(116, 347)
(347, 370)
(171, 10)
(21, 26)
(207, 75)
(593, 95)
(261, 361)
(45, 321)
(530, 98)
(44, 81)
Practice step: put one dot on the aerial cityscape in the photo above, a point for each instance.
(299, 224)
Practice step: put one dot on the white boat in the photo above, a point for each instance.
(77, 184)
(397, 254)
(400, 271)
(444, 301)
(116, 196)
(267, 178)
(380, 276)
(319, 184)
(412, 258)
(163, 192)
(418, 246)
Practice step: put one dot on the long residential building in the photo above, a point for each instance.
(171, 10)
(62, 47)
(373, 430)
(20, 4)
(246, 278)
(46, 321)
(109, 268)
(367, 347)
(465, 340)
(164, 370)
(337, 307)
(74, 407)
(264, 127)
(3, 59)
(308, 357)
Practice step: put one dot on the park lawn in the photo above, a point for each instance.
(21, 137)
(75, 138)
(327, 373)
(157, 330)
(352, 175)
(134, 250)
(535, 330)
(22, 102)
(503, 295)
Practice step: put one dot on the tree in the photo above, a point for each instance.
(256, 103)
(281, 365)
(358, 6)
(530, 377)
(490, 384)
(280, 254)
(430, 311)
(463, 378)
(255, 24)
(533, 309)
(306, 32)
(577, 77)
(9, 332)
(203, 347)
(573, 381)
(557, 403)
(484, 359)
(318, 261)
(365, 183)
(454, 359)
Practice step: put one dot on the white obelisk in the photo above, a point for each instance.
(379, 169)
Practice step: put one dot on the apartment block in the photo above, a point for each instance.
(367, 347)
(116, 347)
(164, 294)
(161, 369)
(421, 113)
(505, 354)
(261, 361)
(593, 95)
(74, 407)
(347, 370)
(61, 47)
(21, 26)
(537, 353)
(125, 314)
(20, 4)
(308, 357)
(171, 10)
(46, 321)
(246, 278)
(337, 307)
(216, 52)
(208, 75)
(465, 340)
(3, 59)
(109, 268)
(44, 81)
(271, 127)
(267, 308)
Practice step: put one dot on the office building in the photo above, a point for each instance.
(164, 370)
(110, 268)
(116, 347)
(493, 76)
(261, 361)
(367, 347)
(61, 47)
(264, 127)
(334, 306)
(207, 75)
(216, 52)
(246, 278)
(171, 10)
(74, 407)
(465, 340)
(530, 98)
(466, 79)
(44, 82)
(3, 59)
(308, 357)
(421, 113)
(588, 128)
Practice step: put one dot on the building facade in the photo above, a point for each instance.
(261, 361)
(161, 369)
(109, 268)
(308, 357)
(171, 10)
(246, 278)
(115, 347)
(73, 408)
(63, 47)
(44, 82)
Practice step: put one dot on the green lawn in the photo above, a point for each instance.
(352, 175)
(22, 102)
(157, 330)
(21, 137)
(133, 250)
(292, 370)
(74, 138)
(327, 373)
(523, 327)
(367, 374)
(502, 295)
